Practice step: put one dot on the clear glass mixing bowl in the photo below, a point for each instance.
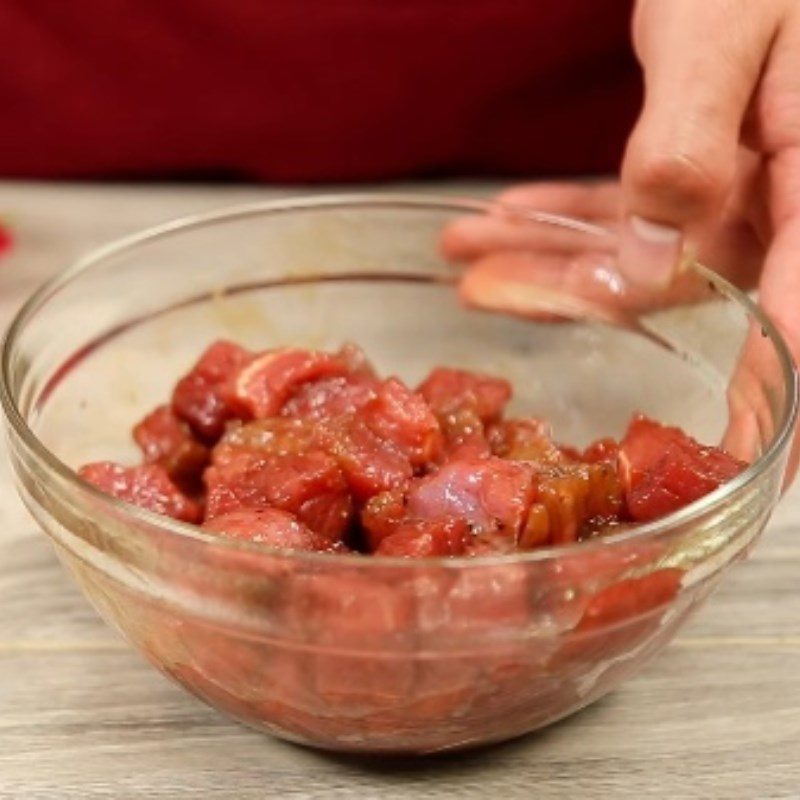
(367, 654)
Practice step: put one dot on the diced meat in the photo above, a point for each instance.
(266, 438)
(349, 606)
(465, 403)
(352, 457)
(525, 440)
(630, 598)
(664, 469)
(309, 485)
(617, 619)
(371, 465)
(328, 513)
(464, 434)
(269, 526)
(382, 516)
(602, 450)
(353, 616)
(166, 440)
(263, 386)
(356, 361)
(147, 486)
(491, 494)
(278, 462)
(491, 597)
(331, 398)
(401, 417)
(446, 390)
(589, 569)
(201, 398)
(536, 530)
(490, 544)
(570, 453)
(569, 497)
(445, 536)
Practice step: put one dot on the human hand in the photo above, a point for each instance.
(712, 167)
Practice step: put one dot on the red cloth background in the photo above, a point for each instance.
(313, 90)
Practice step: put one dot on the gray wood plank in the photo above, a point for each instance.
(689, 726)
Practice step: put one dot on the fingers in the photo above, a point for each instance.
(540, 285)
(545, 281)
(779, 110)
(549, 286)
(734, 245)
(472, 237)
(701, 63)
(779, 292)
(754, 397)
(592, 201)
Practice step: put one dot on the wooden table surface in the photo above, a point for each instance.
(81, 716)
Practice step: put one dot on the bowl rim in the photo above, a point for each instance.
(140, 516)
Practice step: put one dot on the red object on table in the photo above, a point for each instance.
(6, 240)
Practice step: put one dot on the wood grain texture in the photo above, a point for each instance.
(81, 716)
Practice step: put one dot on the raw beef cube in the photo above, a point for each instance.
(309, 485)
(399, 416)
(663, 469)
(201, 398)
(269, 526)
(491, 494)
(262, 387)
(166, 440)
(329, 398)
(445, 536)
(448, 389)
(147, 486)
(370, 464)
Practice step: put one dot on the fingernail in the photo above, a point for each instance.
(649, 253)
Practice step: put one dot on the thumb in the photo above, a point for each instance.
(701, 63)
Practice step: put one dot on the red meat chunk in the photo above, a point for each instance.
(465, 403)
(399, 416)
(525, 440)
(603, 450)
(490, 544)
(448, 389)
(493, 597)
(630, 598)
(147, 486)
(270, 526)
(567, 499)
(382, 516)
(464, 434)
(266, 438)
(331, 397)
(166, 440)
(370, 464)
(491, 494)
(353, 616)
(201, 398)
(263, 386)
(445, 536)
(309, 485)
(600, 565)
(617, 619)
(356, 361)
(664, 469)
(349, 606)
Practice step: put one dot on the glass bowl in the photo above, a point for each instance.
(386, 655)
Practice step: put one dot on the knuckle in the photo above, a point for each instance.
(695, 179)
